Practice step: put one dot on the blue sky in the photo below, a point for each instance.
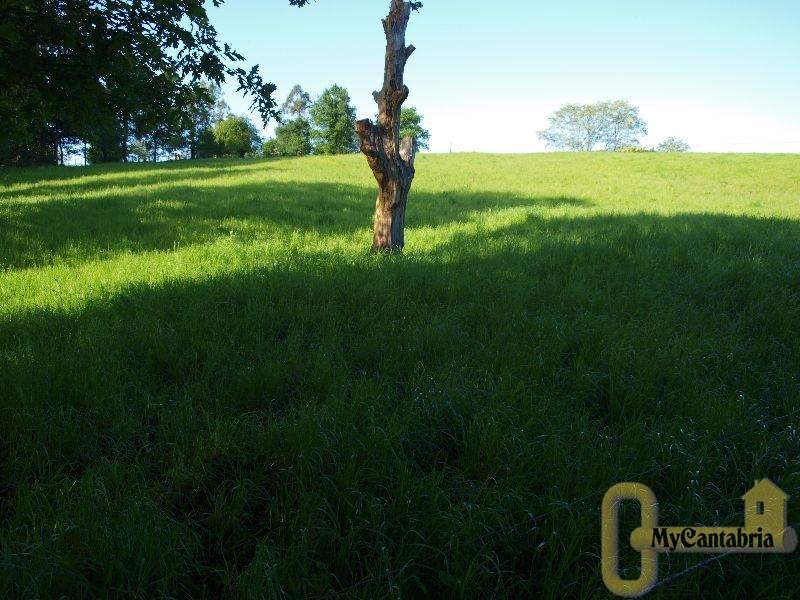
(724, 75)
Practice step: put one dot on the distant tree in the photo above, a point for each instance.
(139, 151)
(221, 110)
(573, 127)
(104, 137)
(297, 103)
(201, 114)
(207, 145)
(165, 131)
(207, 108)
(622, 124)
(582, 127)
(333, 122)
(236, 136)
(293, 138)
(411, 124)
(673, 144)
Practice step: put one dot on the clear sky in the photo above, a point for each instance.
(722, 74)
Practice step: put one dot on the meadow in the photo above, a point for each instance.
(209, 386)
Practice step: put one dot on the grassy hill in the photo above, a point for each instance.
(209, 386)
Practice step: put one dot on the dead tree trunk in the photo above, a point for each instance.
(390, 158)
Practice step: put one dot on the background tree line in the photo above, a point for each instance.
(327, 125)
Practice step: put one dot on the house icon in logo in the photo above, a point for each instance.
(765, 507)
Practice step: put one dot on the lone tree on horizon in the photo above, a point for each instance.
(391, 158)
(581, 127)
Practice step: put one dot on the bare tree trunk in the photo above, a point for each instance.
(390, 158)
(193, 142)
(125, 121)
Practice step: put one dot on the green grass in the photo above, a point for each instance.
(208, 385)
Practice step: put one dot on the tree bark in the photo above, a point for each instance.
(390, 158)
(125, 123)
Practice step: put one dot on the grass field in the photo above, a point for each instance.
(209, 386)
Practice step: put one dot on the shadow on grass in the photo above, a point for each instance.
(161, 218)
(48, 181)
(313, 426)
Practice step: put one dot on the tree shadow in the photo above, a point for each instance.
(160, 217)
(476, 299)
(49, 181)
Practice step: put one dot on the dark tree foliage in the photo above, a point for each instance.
(103, 70)
(292, 138)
